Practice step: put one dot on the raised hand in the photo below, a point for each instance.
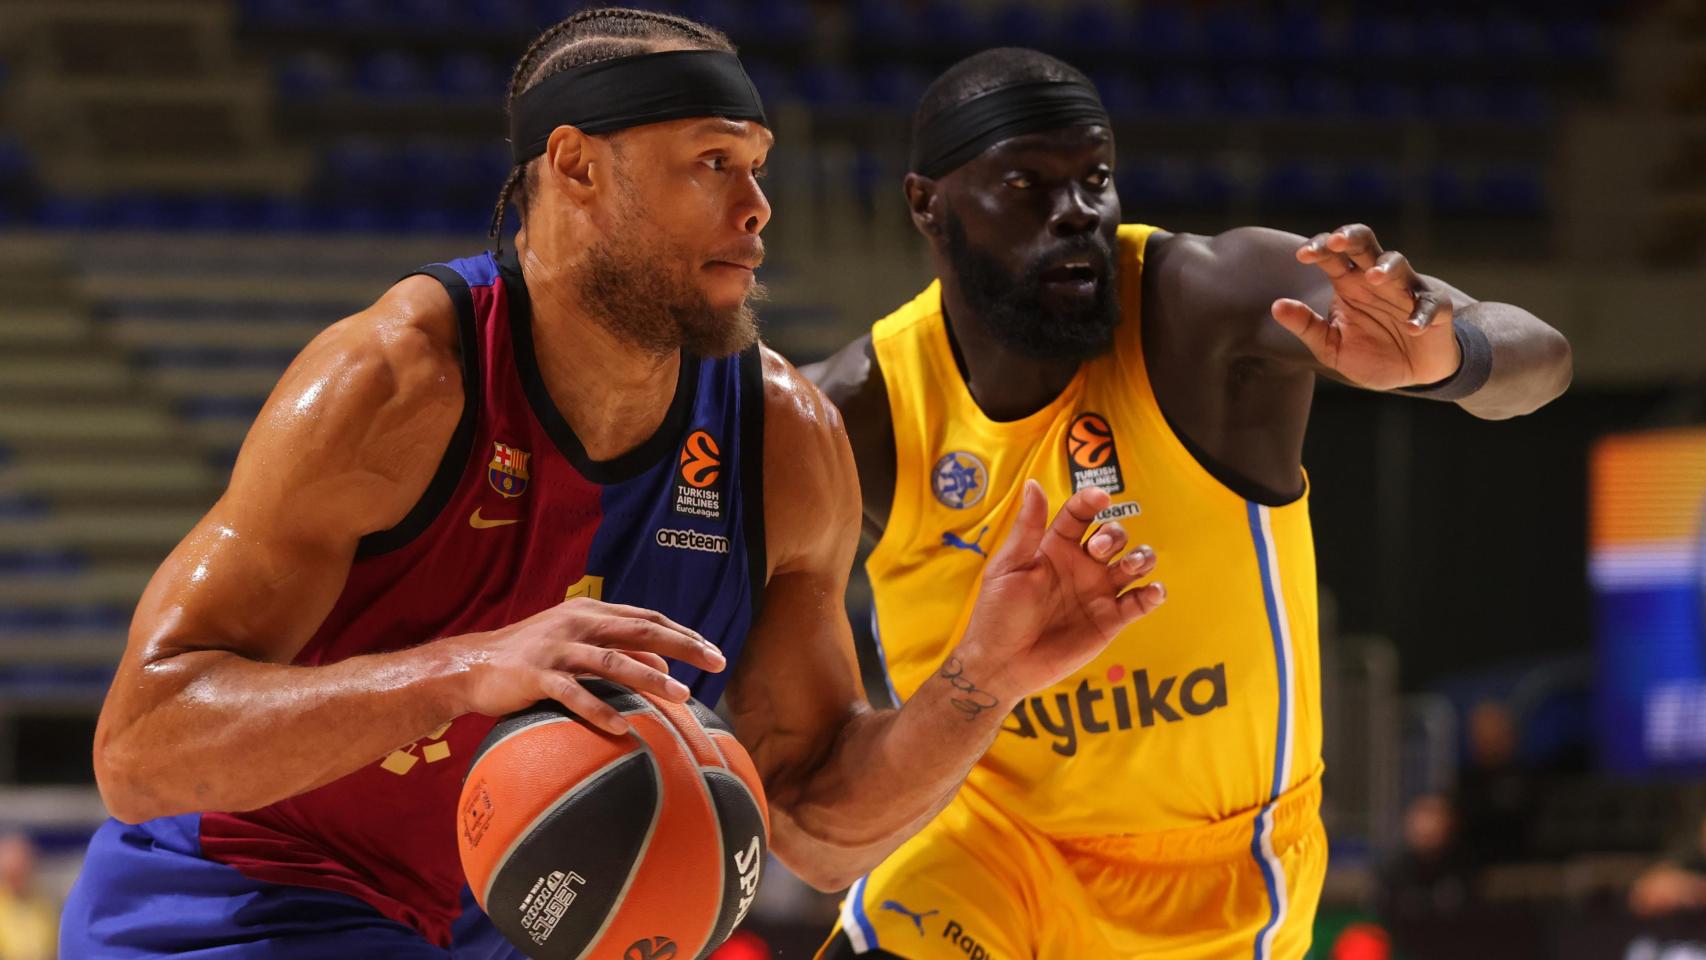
(1050, 601)
(1387, 326)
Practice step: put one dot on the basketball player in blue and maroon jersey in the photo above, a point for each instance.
(511, 471)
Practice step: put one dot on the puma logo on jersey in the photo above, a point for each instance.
(1141, 702)
(481, 523)
(917, 918)
(975, 546)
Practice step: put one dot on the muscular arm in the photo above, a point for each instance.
(846, 784)
(853, 380)
(1252, 267)
(207, 712)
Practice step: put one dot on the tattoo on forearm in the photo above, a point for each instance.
(969, 700)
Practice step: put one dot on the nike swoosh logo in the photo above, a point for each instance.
(481, 523)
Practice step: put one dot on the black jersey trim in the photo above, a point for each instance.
(752, 473)
(455, 460)
(661, 445)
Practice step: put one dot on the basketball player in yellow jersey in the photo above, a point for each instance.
(1162, 801)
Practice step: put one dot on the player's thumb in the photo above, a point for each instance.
(1027, 533)
(1303, 323)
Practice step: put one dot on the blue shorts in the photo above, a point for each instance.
(147, 892)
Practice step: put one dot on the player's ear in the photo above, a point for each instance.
(923, 202)
(569, 155)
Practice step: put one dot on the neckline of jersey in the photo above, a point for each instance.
(661, 445)
(1030, 424)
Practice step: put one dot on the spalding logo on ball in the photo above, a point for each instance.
(585, 846)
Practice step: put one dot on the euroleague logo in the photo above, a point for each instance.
(699, 464)
(651, 948)
(697, 492)
(1091, 455)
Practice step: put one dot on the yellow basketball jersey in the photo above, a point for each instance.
(1207, 708)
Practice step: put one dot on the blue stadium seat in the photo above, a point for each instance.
(1094, 25)
(1384, 100)
(1377, 38)
(1121, 93)
(284, 13)
(1513, 191)
(283, 215)
(780, 22)
(1457, 101)
(1249, 93)
(392, 74)
(731, 18)
(1507, 38)
(1369, 187)
(1301, 34)
(1237, 33)
(771, 81)
(1211, 186)
(822, 84)
(1180, 94)
(1521, 103)
(1320, 96)
(427, 16)
(1164, 32)
(312, 75)
(1020, 25)
(1449, 191)
(1448, 38)
(354, 167)
(1576, 40)
(1295, 185)
(884, 23)
(470, 76)
(949, 26)
(501, 16)
(1145, 186)
(897, 86)
(43, 562)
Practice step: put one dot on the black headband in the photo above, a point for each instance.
(631, 91)
(964, 131)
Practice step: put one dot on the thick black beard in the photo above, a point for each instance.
(1012, 306)
(640, 292)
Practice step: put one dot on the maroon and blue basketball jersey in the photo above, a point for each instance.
(517, 519)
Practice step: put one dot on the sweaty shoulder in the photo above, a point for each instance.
(852, 379)
(361, 417)
(811, 502)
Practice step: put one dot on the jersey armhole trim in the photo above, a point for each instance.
(752, 474)
(451, 466)
(903, 510)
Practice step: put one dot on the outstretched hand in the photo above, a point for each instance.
(1387, 326)
(1051, 600)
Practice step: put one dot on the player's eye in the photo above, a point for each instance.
(760, 172)
(1021, 181)
(1099, 178)
(718, 162)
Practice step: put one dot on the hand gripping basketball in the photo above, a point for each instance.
(581, 845)
(1050, 599)
(539, 659)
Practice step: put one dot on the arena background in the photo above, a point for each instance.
(1514, 658)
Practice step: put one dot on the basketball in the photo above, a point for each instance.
(1089, 441)
(645, 846)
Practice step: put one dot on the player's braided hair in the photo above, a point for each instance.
(600, 33)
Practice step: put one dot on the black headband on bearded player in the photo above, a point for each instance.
(630, 91)
(967, 129)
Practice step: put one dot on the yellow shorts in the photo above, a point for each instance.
(978, 885)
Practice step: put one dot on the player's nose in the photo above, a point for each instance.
(752, 207)
(1074, 213)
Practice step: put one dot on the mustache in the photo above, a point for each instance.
(749, 251)
(1089, 245)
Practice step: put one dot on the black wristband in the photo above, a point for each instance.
(1472, 372)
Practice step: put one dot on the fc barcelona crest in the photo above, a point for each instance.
(507, 473)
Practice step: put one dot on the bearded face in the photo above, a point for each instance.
(1042, 306)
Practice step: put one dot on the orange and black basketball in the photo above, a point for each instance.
(580, 844)
(1089, 442)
